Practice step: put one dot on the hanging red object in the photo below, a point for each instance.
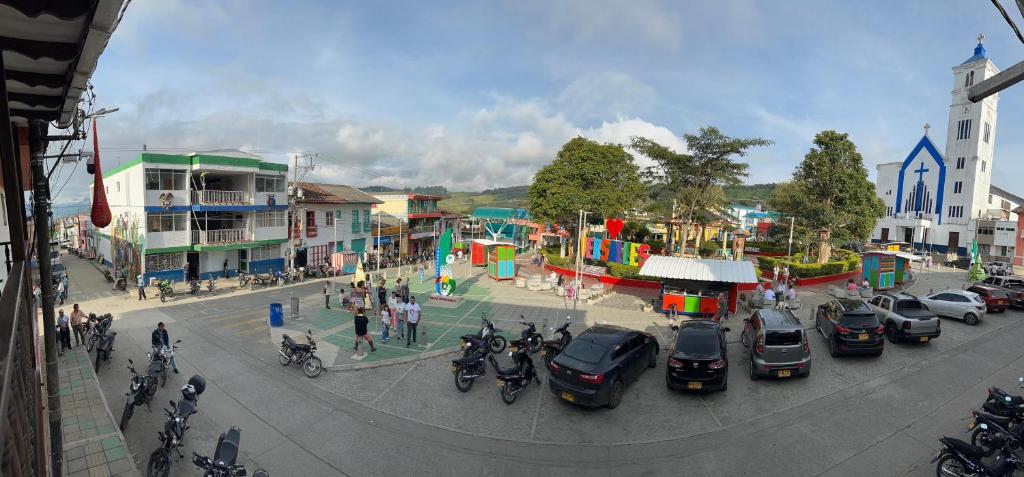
(100, 209)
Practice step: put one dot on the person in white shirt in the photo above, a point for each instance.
(769, 295)
(791, 293)
(412, 318)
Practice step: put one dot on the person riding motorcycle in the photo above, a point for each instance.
(161, 340)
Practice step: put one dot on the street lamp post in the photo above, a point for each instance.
(789, 251)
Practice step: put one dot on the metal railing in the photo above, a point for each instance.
(222, 236)
(239, 197)
(21, 434)
(914, 215)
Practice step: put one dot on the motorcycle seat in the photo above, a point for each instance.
(965, 448)
(289, 341)
(227, 447)
(467, 360)
(185, 407)
(1001, 421)
(155, 367)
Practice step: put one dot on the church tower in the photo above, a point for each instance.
(970, 142)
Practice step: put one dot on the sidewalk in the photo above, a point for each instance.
(93, 446)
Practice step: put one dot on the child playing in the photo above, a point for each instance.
(385, 322)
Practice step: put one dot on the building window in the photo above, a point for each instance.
(162, 262)
(329, 218)
(265, 183)
(990, 198)
(958, 187)
(982, 166)
(984, 230)
(988, 131)
(366, 216)
(960, 162)
(963, 129)
(166, 222)
(270, 218)
(165, 179)
(265, 252)
(968, 79)
(117, 185)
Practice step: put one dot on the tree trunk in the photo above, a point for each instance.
(670, 240)
(700, 235)
(824, 246)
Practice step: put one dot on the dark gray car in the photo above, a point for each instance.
(778, 345)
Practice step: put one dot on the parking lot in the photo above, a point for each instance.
(852, 414)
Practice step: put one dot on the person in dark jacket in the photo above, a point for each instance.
(161, 339)
(360, 327)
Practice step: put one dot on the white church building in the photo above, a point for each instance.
(942, 202)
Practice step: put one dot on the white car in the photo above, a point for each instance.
(999, 268)
(958, 304)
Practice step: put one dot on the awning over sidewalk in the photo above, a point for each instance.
(705, 270)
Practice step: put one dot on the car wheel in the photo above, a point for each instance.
(725, 384)
(890, 333)
(668, 382)
(753, 374)
(804, 375)
(652, 361)
(833, 347)
(971, 319)
(615, 395)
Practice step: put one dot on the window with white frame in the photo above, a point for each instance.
(329, 218)
(988, 131)
(166, 222)
(267, 183)
(270, 218)
(165, 179)
(265, 252)
(161, 262)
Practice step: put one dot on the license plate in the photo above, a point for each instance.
(568, 396)
(455, 369)
(862, 337)
(500, 383)
(694, 385)
(784, 373)
(924, 338)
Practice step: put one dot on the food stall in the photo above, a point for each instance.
(691, 286)
(884, 269)
(480, 250)
(501, 262)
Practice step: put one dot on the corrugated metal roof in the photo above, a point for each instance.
(335, 194)
(703, 270)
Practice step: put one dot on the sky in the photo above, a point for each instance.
(475, 95)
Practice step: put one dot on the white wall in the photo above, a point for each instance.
(168, 239)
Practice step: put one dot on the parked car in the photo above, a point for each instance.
(780, 348)
(1014, 288)
(904, 318)
(995, 298)
(57, 270)
(596, 366)
(958, 262)
(999, 268)
(850, 327)
(960, 304)
(698, 359)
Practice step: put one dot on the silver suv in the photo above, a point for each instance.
(778, 345)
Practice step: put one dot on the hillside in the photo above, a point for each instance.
(465, 202)
(750, 194)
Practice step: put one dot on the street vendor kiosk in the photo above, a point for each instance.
(884, 269)
(480, 250)
(691, 286)
(501, 262)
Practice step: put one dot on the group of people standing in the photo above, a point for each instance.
(397, 310)
(781, 292)
(67, 325)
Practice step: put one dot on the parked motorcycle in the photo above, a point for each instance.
(120, 283)
(174, 428)
(1001, 403)
(302, 354)
(514, 380)
(243, 279)
(259, 280)
(104, 347)
(223, 462)
(162, 355)
(279, 278)
(141, 390)
(166, 289)
(98, 327)
(193, 287)
(472, 364)
(992, 432)
(107, 275)
(554, 347)
(530, 336)
(489, 334)
(211, 285)
(960, 458)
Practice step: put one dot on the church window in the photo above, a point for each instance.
(990, 198)
(960, 163)
(969, 79)
(963, 129)
(982, 166)
(957, 187)
(988, 131)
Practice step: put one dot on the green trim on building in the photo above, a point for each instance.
(237, 246)
(183, 248)
(151, 158)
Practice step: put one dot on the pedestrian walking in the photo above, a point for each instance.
(723, 308)
(382, 293)
(385, 322)
(37, 294)
(60, 291)
(142, 287)
(421, 269)
(64, 331)
(327, 295)
(77, 319)
(66, 281)
(360, 324)
(398, 314)
(225, 268)
(405, 292)
(412, 318)
(184, 272)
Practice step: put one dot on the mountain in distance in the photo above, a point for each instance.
(514, 197)
(750, 194)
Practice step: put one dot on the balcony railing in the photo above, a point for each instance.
(20, 396)
(220, 237)
(367, 226)
(357, 227)
(914, 216)
(221, 197)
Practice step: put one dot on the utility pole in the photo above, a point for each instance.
(380, 243)
(789, 251)
(294, 196)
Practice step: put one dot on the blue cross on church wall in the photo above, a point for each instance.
(918, 196)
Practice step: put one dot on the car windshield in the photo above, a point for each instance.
(907, 305)
(782, 338)
(977, 298)
(859, 320)
(997, 294)
(697, 342)
(585, 350)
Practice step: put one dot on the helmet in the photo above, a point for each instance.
(198, 384)
(188, 391)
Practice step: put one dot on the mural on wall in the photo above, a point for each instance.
(444, 280)
(126, 245)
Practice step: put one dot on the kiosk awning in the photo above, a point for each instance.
(725, 271)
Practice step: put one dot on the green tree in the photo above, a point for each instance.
(602, 179)
(689, 178)
(830, 194)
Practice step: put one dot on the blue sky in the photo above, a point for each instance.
(474, 95)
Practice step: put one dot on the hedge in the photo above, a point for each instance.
(551, 257)
(843, 261)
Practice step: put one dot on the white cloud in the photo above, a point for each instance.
(604, 95)
(623, 130)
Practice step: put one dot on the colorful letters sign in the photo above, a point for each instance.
(615, 251)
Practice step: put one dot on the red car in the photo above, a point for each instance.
(995, 299)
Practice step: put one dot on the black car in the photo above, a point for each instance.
(850, 327)
(698, 359)
(596, 366)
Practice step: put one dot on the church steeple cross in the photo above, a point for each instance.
(920, 172)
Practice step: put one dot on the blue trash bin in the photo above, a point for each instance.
(276, 314)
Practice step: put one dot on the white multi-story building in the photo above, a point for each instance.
(201, 209)
(943, 202)
(337, 218)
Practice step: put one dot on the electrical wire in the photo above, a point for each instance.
(1006, 16)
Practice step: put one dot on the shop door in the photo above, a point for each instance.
(243, 260)
(192, 258)
(953, 243)
(885, 234)
(908, 235)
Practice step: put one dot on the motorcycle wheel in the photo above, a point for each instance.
(535, 344)
(461, 383)
(283, 359)
(159, 463)
(129, 409)
(497, 343)
(981, 438)
(163, 376)
(163, 297)
(90, 344)
(506, 394)
(948, 464)
(252, 286)
(313, 367)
